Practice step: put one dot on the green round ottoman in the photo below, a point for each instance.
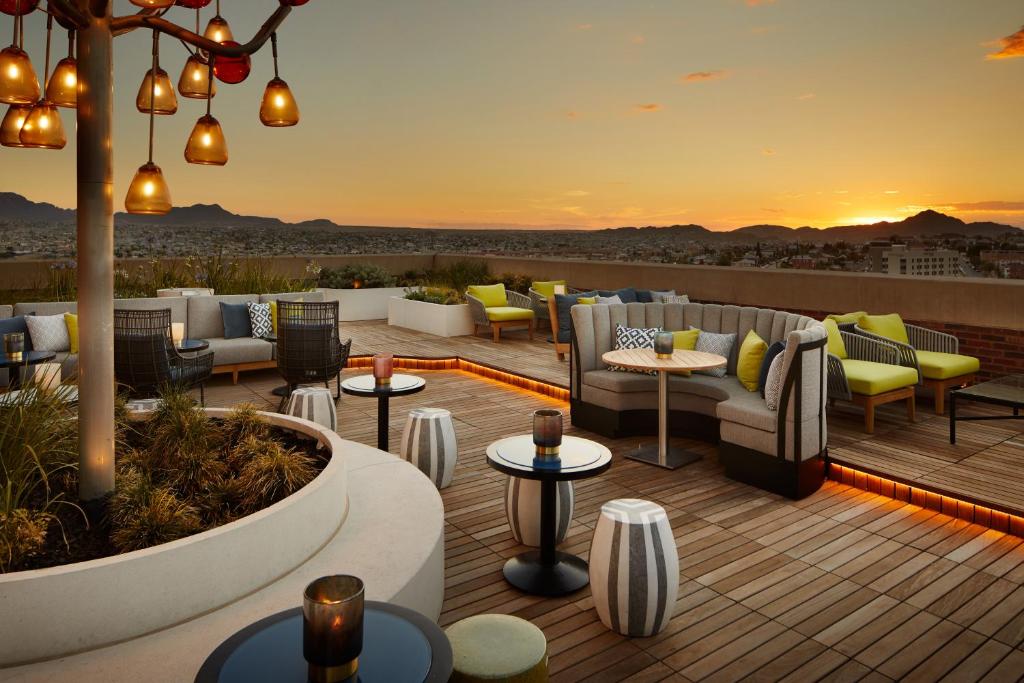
(498, 647)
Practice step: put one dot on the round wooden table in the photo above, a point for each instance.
(663, 455)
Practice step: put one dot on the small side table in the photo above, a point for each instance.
(399, 644)
(548, 571)
(401, 385)
(27, 358)
(663, 455)
(192, 345)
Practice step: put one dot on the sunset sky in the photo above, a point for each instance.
(594, 113)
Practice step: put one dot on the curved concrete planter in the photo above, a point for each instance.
(436, 319)
(362, 304)
(61, 610)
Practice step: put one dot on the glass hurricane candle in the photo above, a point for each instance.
(547, 431)
(383, 369)
(332, 627)
(14, 345)
(664, 344)
(177, 333)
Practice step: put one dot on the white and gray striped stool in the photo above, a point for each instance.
(428, 442)
(315, 404)
(634, 567)
(522, 506)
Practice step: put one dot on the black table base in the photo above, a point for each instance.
(676, 457)
(954, 418)
(529, 573)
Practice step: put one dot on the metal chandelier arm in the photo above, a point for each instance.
(67, 14)
(122, 25)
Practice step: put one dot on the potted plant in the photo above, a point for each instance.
(433, 310)
(362, 290)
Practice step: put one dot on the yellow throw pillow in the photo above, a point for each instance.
(836, 345)
(847, 318)
(748, 362)
(888, 326)
(685, 340)
(71, 320)
(587, 300)
(490, 295)
(547, 289)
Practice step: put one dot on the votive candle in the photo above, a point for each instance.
(14, 345)
(383, 369)
(664, 344)
(332, 627)
(177, 333)
(547, 431)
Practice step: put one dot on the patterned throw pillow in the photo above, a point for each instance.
(659, 297)
(718, 344)
(773, 388)
(261, 320)
(634, 338)
(48, 332)
(675, 299)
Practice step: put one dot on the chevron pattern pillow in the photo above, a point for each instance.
(634, 338)
(718, 344)
(259, 317)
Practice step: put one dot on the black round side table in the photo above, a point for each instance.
(548, 571)
(400, 645)
(27, 358)
(401, 385)
(192, 345)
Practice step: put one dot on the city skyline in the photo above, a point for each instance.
(592, 115)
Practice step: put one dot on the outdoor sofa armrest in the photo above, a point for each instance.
(838, 387)
(477, 310)
(517, 300)
(932, 340)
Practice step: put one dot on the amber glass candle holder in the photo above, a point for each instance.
(383, 369)
(332, 628)
(547, 432)
(14, 345)
(664, 344)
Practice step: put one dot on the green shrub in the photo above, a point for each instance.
(357, 276)
(434, 295)
(271, 473)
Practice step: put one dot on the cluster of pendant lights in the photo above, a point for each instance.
(32, 119)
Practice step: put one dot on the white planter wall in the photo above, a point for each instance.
(436, 319)
(362, 304)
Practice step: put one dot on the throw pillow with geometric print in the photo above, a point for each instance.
(634, 338)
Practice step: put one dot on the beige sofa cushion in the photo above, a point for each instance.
(749, 409)
(178, 306)
(204, 318)
(311, 297)
(46, 308)
(6, 311)
(241, 350)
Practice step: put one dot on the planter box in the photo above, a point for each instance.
(362, 304)
(436, 319)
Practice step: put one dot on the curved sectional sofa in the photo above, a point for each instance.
(782, 451)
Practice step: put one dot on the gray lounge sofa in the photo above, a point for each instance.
(202, 318)
(782, 451)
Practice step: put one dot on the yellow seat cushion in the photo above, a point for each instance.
(504, 313)
(71, 320)
(847, 318)
(685, 340)
(492, 296)
(888, 326)
(868, 378)
(935, 365)
(547, 289)
(587, 300)
(748, 362)
(836, 345)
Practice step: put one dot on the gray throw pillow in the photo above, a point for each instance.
(719, 344)
(236, 320)
(675, 299)
(48, 332)
(773, 388)
(659, 297)
(609, 299)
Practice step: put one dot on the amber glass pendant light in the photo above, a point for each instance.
(14, 120)
(278, 108)
(159, 91)
(43, 128)
(148, 194)
(62, 88)
(218, 30)
(153, 4)
(207, 145)
(195, 78)
(18, 82)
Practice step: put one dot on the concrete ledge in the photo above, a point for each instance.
(60, 610)
(393, 538)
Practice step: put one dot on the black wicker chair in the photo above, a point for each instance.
(145, 358)
(309, 350)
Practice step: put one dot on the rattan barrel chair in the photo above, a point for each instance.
(309, 350)
(145, 359)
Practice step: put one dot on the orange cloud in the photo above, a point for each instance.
(583, 27)
(637, 39)
(768, 152)
(807, 96)
(573, 115)
(701, 76)
(647, 108)
(996, 205)
(1013, 46)
(758, 3)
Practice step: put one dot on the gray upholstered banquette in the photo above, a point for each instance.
(780, 450)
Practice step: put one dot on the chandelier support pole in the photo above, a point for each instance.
(95, 253)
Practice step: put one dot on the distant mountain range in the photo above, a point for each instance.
(14, 207)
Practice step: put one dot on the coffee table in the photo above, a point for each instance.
(401, 385)
(1005, 391)
(27, 358)
(547, 571)
(662, 454)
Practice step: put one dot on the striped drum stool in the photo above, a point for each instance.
(522, 506)
(428, 442)
(634, 567)
(497, 647)
(315, 404)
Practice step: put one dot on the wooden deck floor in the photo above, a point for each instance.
(844, 585)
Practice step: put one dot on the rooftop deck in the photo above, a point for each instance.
(844, 585)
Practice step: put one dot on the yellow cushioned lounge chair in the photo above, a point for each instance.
(494, 307)
(934, 355)
(867, 372)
